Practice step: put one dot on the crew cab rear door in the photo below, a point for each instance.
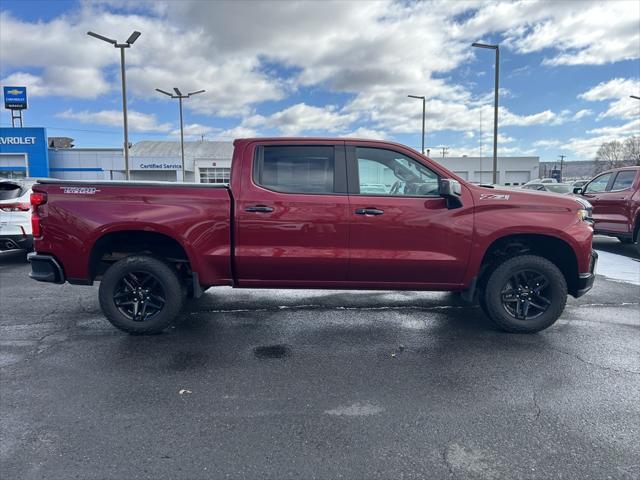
(292, 214)
(402, 232)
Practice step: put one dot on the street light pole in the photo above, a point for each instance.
(495, 108)
(424, 109)
(634, 96)
(130, 41)
(180, 97)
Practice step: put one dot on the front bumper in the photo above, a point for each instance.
(45, 268)
(585, 280)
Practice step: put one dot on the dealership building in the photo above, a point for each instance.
(28, 152)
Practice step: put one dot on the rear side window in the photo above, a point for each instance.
(9, 191)
(624, 180)
(296, 168)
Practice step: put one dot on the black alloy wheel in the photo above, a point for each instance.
(139, 296)
(526, 295)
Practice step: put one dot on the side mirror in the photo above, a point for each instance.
(577, 191)
(451, 191)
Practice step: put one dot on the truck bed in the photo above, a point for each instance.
(79, 214)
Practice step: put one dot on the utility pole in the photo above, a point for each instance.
(180, 96)
(132, 38)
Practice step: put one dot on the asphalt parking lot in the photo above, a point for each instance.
(317, 384)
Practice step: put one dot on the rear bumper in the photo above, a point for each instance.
(16, 242)
(45, 268)
(585, 280)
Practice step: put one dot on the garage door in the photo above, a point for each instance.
(516, 177)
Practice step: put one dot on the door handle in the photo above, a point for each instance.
(258, 209)
(369, 211)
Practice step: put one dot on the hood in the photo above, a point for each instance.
(527, 197)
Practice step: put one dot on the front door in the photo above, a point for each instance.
(596, 193)
(292, 220)
(613, 204)
(402, 232)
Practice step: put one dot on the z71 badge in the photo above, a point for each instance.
(80, 190)
(494, 196)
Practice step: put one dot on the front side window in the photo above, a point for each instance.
(598, 184)
(624, 180)
(296, 168)
(385, 172)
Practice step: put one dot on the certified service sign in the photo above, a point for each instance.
(15, 98)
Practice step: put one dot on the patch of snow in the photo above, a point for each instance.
(618, 267)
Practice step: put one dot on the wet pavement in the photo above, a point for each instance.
(316, 384)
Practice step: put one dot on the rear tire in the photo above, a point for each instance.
(524, 294)
(141, 295)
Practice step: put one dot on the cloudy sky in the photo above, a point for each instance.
(333, 68)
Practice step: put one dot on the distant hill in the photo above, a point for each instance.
(576, 170)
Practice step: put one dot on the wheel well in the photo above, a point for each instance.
(553, 249)
(112, 247)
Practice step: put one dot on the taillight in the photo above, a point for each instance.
(15, 207)
(37, 199)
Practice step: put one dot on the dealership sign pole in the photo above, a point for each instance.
(15, 99)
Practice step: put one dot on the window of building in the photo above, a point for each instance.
(215, 174)
(296, 168)
(385, 172)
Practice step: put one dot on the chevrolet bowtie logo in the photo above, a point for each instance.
(15, 91)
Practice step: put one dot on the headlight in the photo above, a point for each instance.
(585, 215)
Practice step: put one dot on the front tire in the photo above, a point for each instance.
(524, 294)
(141, 295)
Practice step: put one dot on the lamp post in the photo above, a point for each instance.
(132, 38)
(180, 96)
(495, 111)
(424, 100)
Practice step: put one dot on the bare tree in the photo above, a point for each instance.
(631, 149)
(610, 155)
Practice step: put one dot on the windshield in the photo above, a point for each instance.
(558, 188)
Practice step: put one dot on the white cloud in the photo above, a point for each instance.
(138, 122)
(618, 89)
(195, 131)
(303, 118)
(546, 143)
(585, 112)
(612, 89)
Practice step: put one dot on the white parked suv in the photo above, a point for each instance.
(15, 214)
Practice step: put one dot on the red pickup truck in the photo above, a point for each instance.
(314, 213)
(615, 196)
